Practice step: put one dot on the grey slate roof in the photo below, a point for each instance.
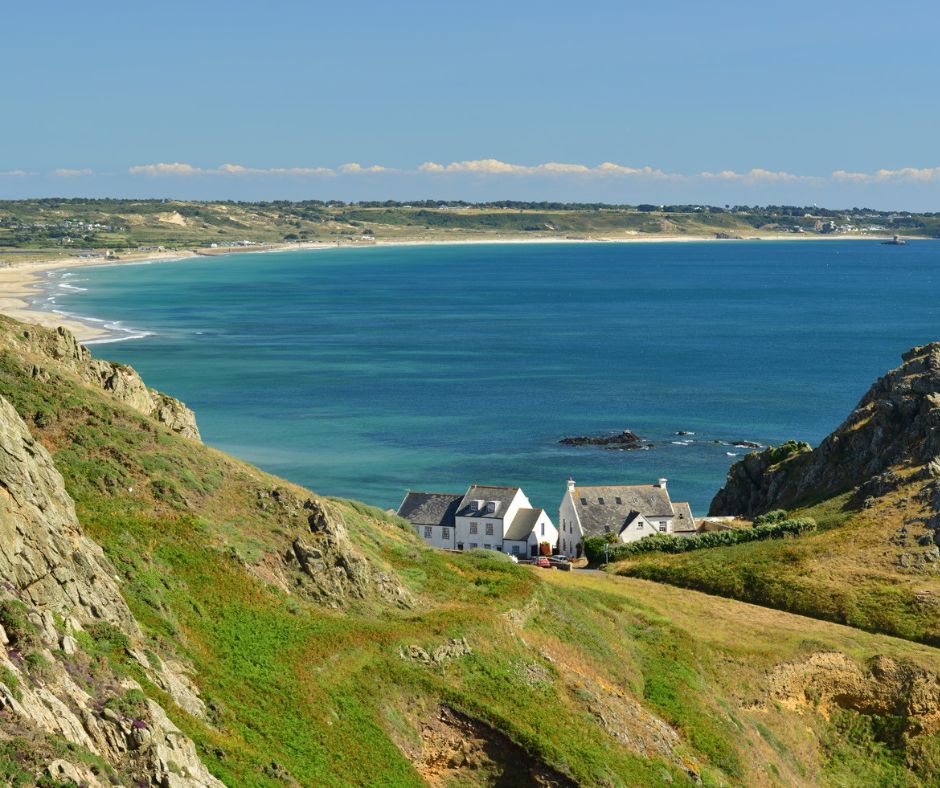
(683, 521)
(484, 492)
(522, 524)
(429, 508)
(650, 500)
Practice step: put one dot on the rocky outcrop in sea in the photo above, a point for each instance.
(895, 427)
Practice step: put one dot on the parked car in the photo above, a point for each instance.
(543, 562)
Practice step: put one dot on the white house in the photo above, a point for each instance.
(630, 512)
(485, 517)
(432, 515)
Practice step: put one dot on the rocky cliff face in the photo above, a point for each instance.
(59, 349)
(58, 598)
(318, 559)
(894, 428)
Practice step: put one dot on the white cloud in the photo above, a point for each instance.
(176, 168)
(909, 174)
(756, 175)
(497, 167)
(66, 172)
(354, 168)
(16, 173)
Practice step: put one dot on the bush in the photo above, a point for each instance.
(776, 516)
(491, 555)
(15, 621)
(666, 543)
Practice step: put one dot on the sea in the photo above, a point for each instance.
(365, 372)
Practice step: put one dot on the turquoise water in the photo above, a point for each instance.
(362, 372)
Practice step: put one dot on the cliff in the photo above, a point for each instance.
(55, 350)
(893, 431)
(58, 595)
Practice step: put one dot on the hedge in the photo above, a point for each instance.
(666, 543)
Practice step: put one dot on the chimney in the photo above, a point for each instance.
(662, 483)
(570, 485)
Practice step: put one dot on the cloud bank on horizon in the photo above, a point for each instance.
(552, 168)
(902, 188)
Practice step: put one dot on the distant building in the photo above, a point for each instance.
(485, 517)
(629, 512)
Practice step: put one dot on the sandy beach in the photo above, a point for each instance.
(20, 280)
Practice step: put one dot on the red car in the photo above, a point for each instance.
(543, 562)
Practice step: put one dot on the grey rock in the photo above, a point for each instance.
(118, 380)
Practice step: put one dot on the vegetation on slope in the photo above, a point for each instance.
(570, 678)
(594, 546)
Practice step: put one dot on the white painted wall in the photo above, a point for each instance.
(437, 536)
(544, 531)
(569, 526)
(481, 538)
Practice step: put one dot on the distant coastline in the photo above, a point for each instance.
(23, 295)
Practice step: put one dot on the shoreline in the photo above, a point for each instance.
(22, 284)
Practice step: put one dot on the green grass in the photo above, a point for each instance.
(322, 694)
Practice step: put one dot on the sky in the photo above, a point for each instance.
(726, 102)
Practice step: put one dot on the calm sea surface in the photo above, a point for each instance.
(362, 372)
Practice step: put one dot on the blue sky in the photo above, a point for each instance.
(835, 103)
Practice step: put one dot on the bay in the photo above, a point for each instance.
(363, 372)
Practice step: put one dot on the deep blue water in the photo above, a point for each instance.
(362, 372)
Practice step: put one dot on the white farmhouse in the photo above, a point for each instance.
(630, 512)
(485, 517)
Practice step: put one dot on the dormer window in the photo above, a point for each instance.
(600, 501)
(476, 505)
(584, 501)
(491, 507)
(618, 500)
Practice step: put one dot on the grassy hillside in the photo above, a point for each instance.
(850, 572)
(359, 672)
(69, 226)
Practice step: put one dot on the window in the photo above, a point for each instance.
(515, 549)
(600, 501)
(662, 528)
(639, 524)
(460, 545)
(428, 532)
(445, 533)
(543, 529)
(489, 529)
(584, 501)
(473, 528)
(473, 545)
(618, 500)
(487, 547)
(606, 529)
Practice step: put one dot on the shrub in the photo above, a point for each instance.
(491, 555)
(666, 543)
(15, 621)
(776, 516)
